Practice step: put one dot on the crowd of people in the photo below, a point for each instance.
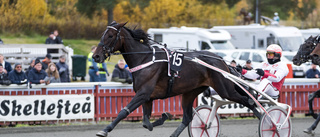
(98, 71)
(38, 72)
(45, 71)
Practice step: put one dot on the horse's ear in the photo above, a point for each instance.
(113, 22)
(122, 24)
(317, 38)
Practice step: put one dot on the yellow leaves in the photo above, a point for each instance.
(119, 12)
(31, 9)
(300, 3)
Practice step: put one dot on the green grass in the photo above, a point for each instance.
(79, 46)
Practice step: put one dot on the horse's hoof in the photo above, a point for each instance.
(102, 134)
(149, 126)
(168, 115)
(309, 131)
(315, 116)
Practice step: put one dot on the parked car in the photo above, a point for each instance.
(256, 57)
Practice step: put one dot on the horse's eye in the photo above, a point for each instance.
(110, 36)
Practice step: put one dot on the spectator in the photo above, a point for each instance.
(46, 61)
(51, 39)
(57, 39)
(63, 69)
(30, 67)
(17, 76)
(103, 72)
(248, 65)
(4, 80)
(127, 67)
(6, 65)
(313, 72)
(120, 74)
(1, 42)
(36, 74)
(233, 63)
(93, 66)
(53, 74)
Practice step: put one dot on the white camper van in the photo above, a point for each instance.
(192, 38)
(256, 36)
(310, 32)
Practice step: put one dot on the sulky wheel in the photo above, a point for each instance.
(198, 129)
(268, 129)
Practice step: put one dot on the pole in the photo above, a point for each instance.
(257, 12)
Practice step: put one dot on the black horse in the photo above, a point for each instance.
(151, 76)
(310, 50)
(306, 51)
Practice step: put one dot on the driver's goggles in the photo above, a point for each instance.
(270, 53)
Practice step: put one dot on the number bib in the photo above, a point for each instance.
(176, 61)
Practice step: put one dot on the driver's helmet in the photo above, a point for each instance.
(275, 49)
(276, 13)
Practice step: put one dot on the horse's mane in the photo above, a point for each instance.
(138, 35)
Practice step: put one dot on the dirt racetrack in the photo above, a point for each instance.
(229, 128)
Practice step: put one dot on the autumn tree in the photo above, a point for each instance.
(304, 8)
(88, 7)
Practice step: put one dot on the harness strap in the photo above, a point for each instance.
(149, 63)
(168, 58)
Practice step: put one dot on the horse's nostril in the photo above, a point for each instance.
(309, 57)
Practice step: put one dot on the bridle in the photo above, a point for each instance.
(304, 54)
(108, 49)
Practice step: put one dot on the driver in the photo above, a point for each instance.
(272, 73)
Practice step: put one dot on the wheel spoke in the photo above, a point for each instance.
(279, 117)
(277, 134)
(268, 129)
(202, 133)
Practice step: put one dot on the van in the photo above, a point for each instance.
(310, 32)
(192, 38)
(256, 36)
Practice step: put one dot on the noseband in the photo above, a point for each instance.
(108, 49)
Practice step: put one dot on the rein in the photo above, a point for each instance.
(142, 52)
(137, 68)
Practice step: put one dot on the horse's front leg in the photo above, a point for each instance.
(310, 101)
(147, 107)
(140, 98)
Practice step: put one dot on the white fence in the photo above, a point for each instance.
(24, 53)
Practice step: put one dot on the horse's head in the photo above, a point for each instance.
(109, 43)
(315, 54)
(304, 52)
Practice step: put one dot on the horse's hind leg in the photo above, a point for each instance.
(187, 102)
